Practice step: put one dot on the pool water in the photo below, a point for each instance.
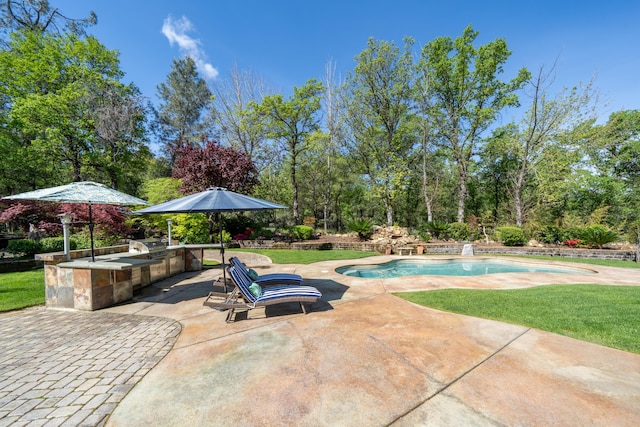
(450, 267)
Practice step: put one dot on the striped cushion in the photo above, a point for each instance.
(265, 279)
(272, 293)
(277, 292)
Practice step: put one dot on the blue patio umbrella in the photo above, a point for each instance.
(212, 200)
(82, 192)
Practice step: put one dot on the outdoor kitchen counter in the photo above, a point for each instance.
(115, 274)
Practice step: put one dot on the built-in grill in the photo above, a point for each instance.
(155, 248)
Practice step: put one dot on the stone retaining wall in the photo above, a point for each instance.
(456, 249)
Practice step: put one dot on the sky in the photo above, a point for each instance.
(288, 42)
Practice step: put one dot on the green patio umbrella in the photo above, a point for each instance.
(82, 192)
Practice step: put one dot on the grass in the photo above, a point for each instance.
(603, 262)
(606, 315)
(292, 256)
(20, 290)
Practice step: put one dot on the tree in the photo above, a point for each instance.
(184, 101)
(40, 17)
(50, 82)
(431, 172)
(329, 146)
(617, 156)
(292, 122)
(542, 124)
(379, 103)
(239, 125)
(212, 165)
(466, 94)
(119, 115)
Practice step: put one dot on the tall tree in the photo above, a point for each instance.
(39, 16)
(239, 126)
(329, 146)
(379, 103)
(185, 99)
(467, 94)
(119, 116)
(616, 154)
(544, 121)
(49, 82)
(291, 122)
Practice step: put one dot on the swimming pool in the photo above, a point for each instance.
(449, 267)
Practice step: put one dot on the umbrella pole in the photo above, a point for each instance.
(93, 257)
(224, 270)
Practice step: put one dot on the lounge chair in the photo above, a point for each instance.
(266, 279)
(242, 298)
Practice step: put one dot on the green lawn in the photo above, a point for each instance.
(603, 262)
(606, 315)
(20, 290)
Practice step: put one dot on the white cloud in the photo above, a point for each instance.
(176, 32)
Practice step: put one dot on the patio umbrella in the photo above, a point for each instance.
(212, 200)
(82, 192)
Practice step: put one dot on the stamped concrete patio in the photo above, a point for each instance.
(365, 357)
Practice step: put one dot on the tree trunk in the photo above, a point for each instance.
(518, 205)
(294, 185)
(388, 207)
(517, 191)
(425, 190)
(462, 192)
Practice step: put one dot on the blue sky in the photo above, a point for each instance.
(288, 42)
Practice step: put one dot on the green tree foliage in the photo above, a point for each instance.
(292, 122)
(185, 100)
(467, 95)
(54, 113)
(378, 97)
(192, 228)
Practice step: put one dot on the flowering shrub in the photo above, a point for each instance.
(571, 242)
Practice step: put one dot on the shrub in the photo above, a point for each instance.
(238, 224)
(263, 233)
(437, 228)
(512, 236)
(23, 247)
(302, 232)
(549, 234)
(574, 233)
(363, 227)
(458, 231)
(192, 228)
(56, 244)
(598, 235)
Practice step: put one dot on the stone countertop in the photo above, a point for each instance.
(200, 246)
(110, 263)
